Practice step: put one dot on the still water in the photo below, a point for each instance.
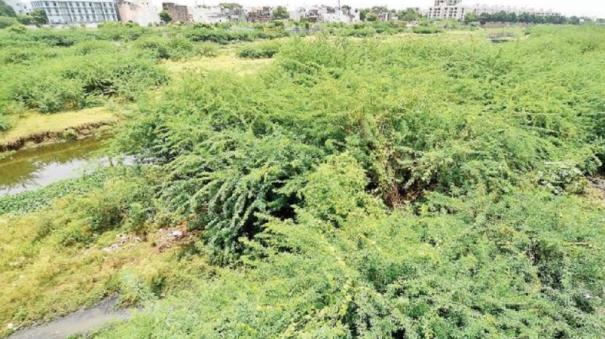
(37, 167)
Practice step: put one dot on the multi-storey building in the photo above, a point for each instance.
(77, 12)
(330, 14)
(447, 9)
(259, 14)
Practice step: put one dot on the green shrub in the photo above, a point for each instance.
(118, 31)
(49, 93)
(221, 139)
(25, 19)
(101, 210)
(94, 47)
(223, 35)
(181, 48)
(17, 56)
(173, 48)
(156, 46)
(55, 38)
(258, 51)
(476, 267)
(65, 85)
(426, 30)
(7, 22)
(4, 122)
(424, 187)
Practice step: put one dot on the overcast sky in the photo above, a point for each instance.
(592, 8)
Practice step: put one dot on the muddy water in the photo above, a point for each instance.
(30, 169)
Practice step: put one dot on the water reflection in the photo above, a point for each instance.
(33, 168)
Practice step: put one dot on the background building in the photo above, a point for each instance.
(20, 7)
(491, 10)
(335, 14)
(259, 14)
(140, 12)
(77, 12)
(447, 9)
(216, 14)
(178, 13)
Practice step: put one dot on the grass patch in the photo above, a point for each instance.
(56, 260)
(225, 63)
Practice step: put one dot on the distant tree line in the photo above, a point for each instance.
(523, 18)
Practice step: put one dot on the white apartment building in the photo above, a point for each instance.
(77, 12)
(447, 9)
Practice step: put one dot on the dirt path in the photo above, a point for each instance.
(80, 322)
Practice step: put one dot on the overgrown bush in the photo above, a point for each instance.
(426, 29)
(174, 48)
(81, 82)
(224, 36)
(469, 267)
(425, 187)
(102, 210)
(4, 122)
(94, 47)
(410, 132)
(7, 22)
(49, 93)
(17, 56)
(257, 51)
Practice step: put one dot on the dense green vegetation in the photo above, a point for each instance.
(49, 70)
(262, 50)
(407, 186)
(526, 18)
(394, 188)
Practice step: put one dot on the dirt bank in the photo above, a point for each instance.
(69, 133)
(33, 129)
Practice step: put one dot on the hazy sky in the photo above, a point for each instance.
(592, 8)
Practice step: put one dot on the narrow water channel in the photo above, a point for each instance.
(30, 169)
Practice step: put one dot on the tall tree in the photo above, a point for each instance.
(280, 12)
(165, 17)
(39, 17)
(409, 14)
